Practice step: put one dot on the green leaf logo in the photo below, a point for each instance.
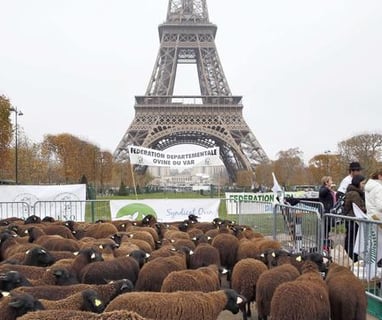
(135, 211)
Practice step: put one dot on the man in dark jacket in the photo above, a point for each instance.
(354, 194)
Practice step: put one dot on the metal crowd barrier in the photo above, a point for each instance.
(89, 210)
(357, 244)
(20, 210)
(257, 215)
(297, 227)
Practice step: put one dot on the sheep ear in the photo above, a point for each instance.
(224, 271)
(17, 303)
(299, 259)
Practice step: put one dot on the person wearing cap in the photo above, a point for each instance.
(354, 194)
(354, 169)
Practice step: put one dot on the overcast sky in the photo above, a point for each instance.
(310, 71)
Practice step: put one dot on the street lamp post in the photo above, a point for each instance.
(17, 113)
(327, 153)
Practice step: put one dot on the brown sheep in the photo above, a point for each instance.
(245, 275)
(181, 305)
(106, 292)
(227, 244)
(81, 315)
(203, 279)
(267, 283)
(86, 300)
(346, 293)
(12, 307)
(152, 274)
(204, 255)
(304, 298)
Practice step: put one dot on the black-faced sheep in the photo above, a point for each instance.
(304, 298)
(87, 300)
(245, 275)
(102, 272)
(346, 293)
(204, 279)
(10, 245)
(106, 292)
(267, 283)
(52, 242)
(204, 255)
(12, 279)
(227, 244)
(153, 273)
(12, 307)
(38, 257)
(83, 258)
(181, 305)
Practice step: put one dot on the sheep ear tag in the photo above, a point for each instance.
(239, 300)
(299, 259)
(97, 302)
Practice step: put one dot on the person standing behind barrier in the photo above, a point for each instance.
(354, 170)
(373, 196)
(354, 194)
(327, 197)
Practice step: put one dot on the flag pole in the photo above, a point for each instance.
(132, 176)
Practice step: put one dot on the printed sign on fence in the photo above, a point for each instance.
(165, 211)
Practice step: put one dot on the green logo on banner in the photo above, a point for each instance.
(135, 211)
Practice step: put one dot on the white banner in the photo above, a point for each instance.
(254, 203)
(169, 210)
(63, 202)
(151, 157)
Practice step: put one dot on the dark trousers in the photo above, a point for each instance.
(351, 233)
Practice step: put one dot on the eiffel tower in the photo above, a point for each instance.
(212, 119)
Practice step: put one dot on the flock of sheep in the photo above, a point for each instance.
(149, 270)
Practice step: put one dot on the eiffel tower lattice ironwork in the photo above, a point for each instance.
(214, 118)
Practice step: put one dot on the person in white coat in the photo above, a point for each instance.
(373, 198)
(373, 195)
